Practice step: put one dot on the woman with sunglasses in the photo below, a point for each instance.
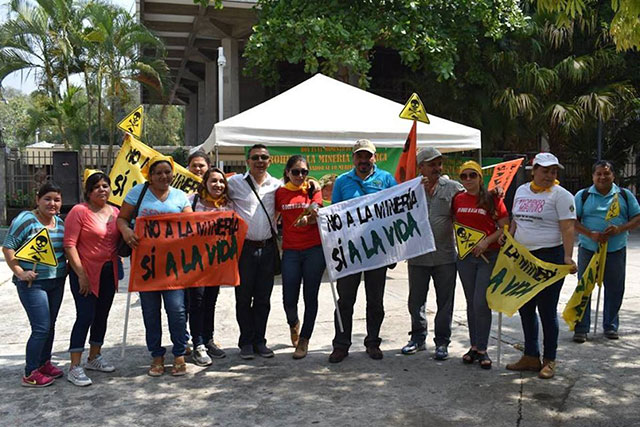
(543, 219)
(158, 197)
(211, 196)
(302, 256)
(40, 287)
(476, 208)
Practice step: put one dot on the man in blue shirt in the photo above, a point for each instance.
(593, 229)
(364, 178)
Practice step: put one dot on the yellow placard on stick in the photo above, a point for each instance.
(614, 209)
(414, 110)
(125, 173)
(466, 238)
(593, 274)
(518, 276)
(133, 122)
(38, 250)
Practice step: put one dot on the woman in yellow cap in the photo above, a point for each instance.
(90, 242)
(156, 196)
(475, 208)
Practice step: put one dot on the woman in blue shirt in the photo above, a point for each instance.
(158, 197)
(39, 286)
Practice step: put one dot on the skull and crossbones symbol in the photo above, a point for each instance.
(39, 248)
(465, 238)
(414, 108)
(133, 123)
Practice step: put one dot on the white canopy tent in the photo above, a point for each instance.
(322, 111)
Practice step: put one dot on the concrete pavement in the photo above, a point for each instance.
(597, 383)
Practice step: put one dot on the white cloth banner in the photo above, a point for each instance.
(375, 230)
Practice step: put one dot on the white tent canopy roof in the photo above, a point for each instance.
(322, 111)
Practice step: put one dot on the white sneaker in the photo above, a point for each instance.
(76, 376)
(99, 364)
(200, 356)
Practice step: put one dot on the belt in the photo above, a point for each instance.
(258, 243)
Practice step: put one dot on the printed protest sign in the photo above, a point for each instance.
(38, 250)
(518, 276)
(594, 273)
(375, 230)
(466, 238)
(503, 174)
(414, 110)
(185, 250)
(125, 173)
(133, 122)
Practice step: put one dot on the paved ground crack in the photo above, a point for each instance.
(519, 420)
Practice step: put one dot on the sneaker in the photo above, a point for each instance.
(51, 371)
(263, 350)
(611, 334)
(200, 356)
(441, 353)
(99, 363)
(413, 347)
(580, 337)
(214, 351)
(246, 352)
(526, 363)
(37, 379)
(338, 355)
(374, 352)
(76, 376)
(548, 369)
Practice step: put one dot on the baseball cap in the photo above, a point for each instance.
(546, 160)
(427, 154)
(364, 145)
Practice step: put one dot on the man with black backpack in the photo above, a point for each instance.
(600, 221)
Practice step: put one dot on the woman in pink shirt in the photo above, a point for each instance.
(90, 242)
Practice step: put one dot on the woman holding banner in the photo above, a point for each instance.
(90, 241)
(40, 287)
(160, 198)
(479, 210)
(212, 196)
(543, 220)
(302, 257)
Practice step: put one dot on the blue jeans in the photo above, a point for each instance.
(202, 308)
(42, 303)
(174, 306)
(253, 296)
(444, 280)
(546, 301)
(614, 277)
(474, 274)
(91, 311)
(307, 265)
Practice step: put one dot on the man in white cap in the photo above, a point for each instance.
(439, 265)
(364, 178)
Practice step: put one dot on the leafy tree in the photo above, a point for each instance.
(13, 116)
(338, 38)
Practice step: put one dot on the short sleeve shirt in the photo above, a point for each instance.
(291, 204)
(175, 202)
(537, 215)
(467, 212)
(441, 221)
(594, 211)
(349, 185)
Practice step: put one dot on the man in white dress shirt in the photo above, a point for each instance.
(257, 260)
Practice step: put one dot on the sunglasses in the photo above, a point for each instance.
(263, 157)
(298, 172)
(470, 175)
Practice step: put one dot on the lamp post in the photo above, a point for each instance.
(222, 62)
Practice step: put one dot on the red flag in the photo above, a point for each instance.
(406, 168)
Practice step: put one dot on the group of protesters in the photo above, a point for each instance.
(543, 219)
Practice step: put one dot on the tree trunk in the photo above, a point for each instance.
(87, 85)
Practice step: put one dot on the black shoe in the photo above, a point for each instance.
(413, 347)
(263, 350)
(579, 337)
(246, 352)
(611, 334)
(338, 355)
(374, 352)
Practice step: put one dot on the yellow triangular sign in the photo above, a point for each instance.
(133, 122)
(614, 209)
(38, 250)
(414, 110)
(467, 238)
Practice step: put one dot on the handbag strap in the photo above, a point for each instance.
(139, 202)
(253, 188)
(195, 201)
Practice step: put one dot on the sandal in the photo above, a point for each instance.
(157, 367)
(485, 360)
(179, 367)
(470, 356)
